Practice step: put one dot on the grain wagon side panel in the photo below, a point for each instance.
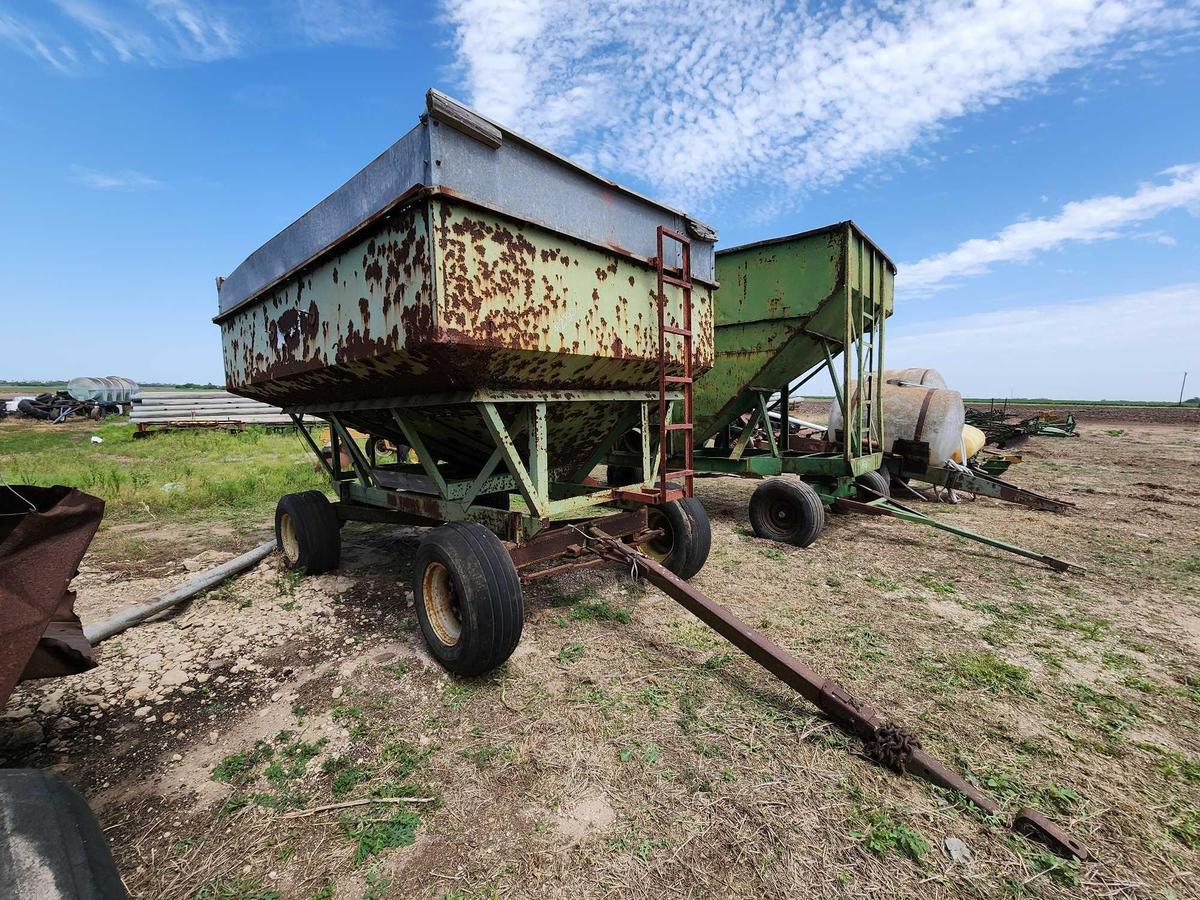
(346, 321)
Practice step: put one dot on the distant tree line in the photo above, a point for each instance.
(38, 382)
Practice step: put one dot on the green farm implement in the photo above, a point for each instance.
(515, 321)
(787, 310)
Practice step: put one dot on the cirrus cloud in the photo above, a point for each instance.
(705, 98)
(1082, 221)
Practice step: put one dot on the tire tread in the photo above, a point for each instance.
(482, 565)
(807, 501)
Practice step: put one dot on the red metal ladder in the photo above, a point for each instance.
(683, 281)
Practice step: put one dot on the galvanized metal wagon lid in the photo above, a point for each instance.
(455, 151)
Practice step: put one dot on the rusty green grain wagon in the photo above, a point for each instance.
(507, 315)
(787, 309)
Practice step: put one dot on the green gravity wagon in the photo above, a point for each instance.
(786, 310)
(506, 314)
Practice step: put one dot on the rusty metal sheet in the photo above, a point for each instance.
(44, 533)
(454, 149)
(443, 297)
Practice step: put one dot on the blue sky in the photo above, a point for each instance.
(1033, 167)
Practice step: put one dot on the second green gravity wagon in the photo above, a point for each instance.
(786, 310)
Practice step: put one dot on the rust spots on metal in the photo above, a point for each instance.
(442, 296)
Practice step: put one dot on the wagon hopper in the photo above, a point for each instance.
(786, 310)
(506, 315)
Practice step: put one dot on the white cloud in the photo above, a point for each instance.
(74, 36)
(705, 97)
(1099, 218)
(360, 22)
(1127, 347)
(28, 41)
(702, 97)
(198, 33)
(125, 180)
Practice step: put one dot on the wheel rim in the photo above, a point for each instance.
(783, 515)
(658, 548)
(287, 536)
(441, 603)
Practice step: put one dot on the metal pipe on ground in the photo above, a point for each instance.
(134, 615)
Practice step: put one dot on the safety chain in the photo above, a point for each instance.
(892, 747)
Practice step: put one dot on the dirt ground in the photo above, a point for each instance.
(625, 752)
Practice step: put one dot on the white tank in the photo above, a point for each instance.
(926, 377)
(929, 414)
(110, 389)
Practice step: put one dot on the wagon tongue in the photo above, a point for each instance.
(889, 744)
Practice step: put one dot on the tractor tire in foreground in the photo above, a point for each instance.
(787, 510)
(468, 598)
(686, 539)
(50, 842)
(308, 533)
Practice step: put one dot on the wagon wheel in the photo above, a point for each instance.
(308, 533)
(875, 483)
(468, 598)
(787, 510)
(686, 536)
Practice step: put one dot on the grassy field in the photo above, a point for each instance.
(37, 387)
(624, 750)
(182, 475)
(1046, 401)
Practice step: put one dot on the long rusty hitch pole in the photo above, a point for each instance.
(888, 743)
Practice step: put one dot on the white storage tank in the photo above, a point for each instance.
(913, 413)
(109, 389)
(925, 377)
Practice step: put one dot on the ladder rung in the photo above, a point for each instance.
(680, 426)
(678, 379)
(678, 282)
(671, 329)
(682, 473)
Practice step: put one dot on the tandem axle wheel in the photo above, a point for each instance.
(469, 600)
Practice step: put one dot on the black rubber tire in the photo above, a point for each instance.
(485, 594)
(308, 533)
(619, 476)
(787, 510)
(33, 410)
(685, 546)
(50, 842)
(873, 481)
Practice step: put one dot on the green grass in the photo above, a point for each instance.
(1185, 828)
(374, 837)
(1045, 401)
(205, 470)
(983, 669)
(938, 587)
(347, 774)
(599, 611)
(571, 653)
(882, 835)
(236, 888)
(238, 768)
(286, 761)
